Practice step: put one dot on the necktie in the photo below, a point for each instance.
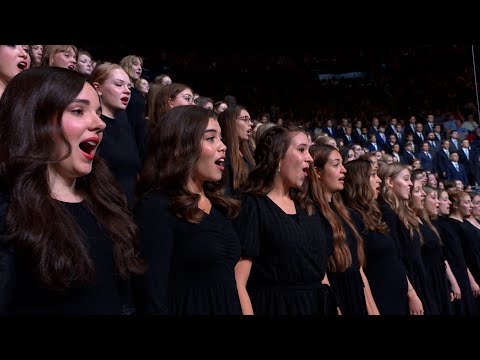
(466, 153)
(456, 166)
(433, 144)
(428, 155)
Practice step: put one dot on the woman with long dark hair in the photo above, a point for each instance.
(383, 265)
(283, 266)
(73, 242)
(345, 246)
(186, 231)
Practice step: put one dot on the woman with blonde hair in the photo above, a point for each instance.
(132, 64)
(119, 147)
(404, 228)
(64, 56)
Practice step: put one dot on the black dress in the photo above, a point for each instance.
(451, 232)
(288, 259)
(347, 285)
(471, 248)
(190, 266)
(385, 272)
(103, 296)
(121, 153)
(436, 270)
(410, 252)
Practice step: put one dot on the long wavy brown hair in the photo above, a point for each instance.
(174, 149)
(358, 194)
(341, 259)
(39, 227)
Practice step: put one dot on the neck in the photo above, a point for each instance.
(329, 196)
(63, 188)
(108, 112)
(3, 85)
(456, 216)
(196, 186)
(280, 189)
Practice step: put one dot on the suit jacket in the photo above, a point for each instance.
(427, 162)
(408, 158)
(372, 148)
(453, 174)
(332, 132)
(442, 162)
(427, 129)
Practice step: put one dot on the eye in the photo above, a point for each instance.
(77, 111)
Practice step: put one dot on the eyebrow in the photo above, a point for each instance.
(210, 130)
(82, 101)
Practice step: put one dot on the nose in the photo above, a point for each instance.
(309, 158)
(23, 52)
(223, 147)
(98, 124)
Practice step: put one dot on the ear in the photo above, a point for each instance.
(96, 85)
(170, 102)
(389, 182)
(318, 174)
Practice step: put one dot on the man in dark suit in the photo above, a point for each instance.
(469, 159)
(347, 136)
(374, 128)
(329, 129)
(418, 137)
(410, 127)
(454, 141)
(392, 127)
(372, 143)
(429, 126)
(381, 137)
(433, 142)
(408, 155)
(443, 158)
(426, 159)
(455, 170)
